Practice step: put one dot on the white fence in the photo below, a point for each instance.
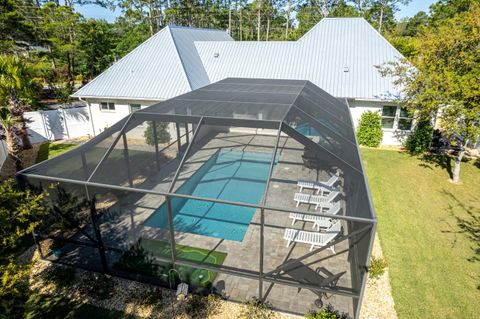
(55, 125)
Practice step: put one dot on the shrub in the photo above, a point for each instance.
(419, 141)
(255, 308)
(163, 136)
(369, 132)
(203, 306)
(61, 277)
(97, 286)
(377, 267)
(327, 313)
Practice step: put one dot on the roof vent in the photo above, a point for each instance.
(215, 55)
(346, 69)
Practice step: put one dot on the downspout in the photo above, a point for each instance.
(90, 112)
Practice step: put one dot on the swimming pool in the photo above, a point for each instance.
(229, 175)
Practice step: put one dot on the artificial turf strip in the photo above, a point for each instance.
(195, 276)
(162, 249)
(139, 260)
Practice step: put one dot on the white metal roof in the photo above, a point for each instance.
(164, 66)
(339, 55)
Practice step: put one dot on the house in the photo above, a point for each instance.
(339, 55)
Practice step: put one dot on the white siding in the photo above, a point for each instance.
(392, 137)
(103, 119)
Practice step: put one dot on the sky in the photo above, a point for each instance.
(94, 11)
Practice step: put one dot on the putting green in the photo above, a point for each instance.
(194, 276)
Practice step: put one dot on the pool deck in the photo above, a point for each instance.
(131, 211)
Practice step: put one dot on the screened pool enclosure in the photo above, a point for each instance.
(245, 188)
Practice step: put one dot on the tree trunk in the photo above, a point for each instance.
(258, 24)
(380, 22)
(17, 110)
(13, 148)
(288, 18)
(457, 161)
(241, 22)
(150, 17)
(268, 28)
(26, 144)
(229, 18)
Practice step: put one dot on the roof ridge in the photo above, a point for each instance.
(194, 28)
(180, 58)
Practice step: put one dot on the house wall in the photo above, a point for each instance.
(393, 137)
(103, 119)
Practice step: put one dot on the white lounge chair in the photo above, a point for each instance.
(301, 198)
(319, 200)
(314, 239)
(318, 221)
(318, 186)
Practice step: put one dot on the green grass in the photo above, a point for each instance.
(429, 231)
(48, 150)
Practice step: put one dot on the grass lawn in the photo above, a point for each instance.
(48, 150)
(429, 230)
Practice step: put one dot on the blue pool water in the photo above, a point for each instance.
(228, 175)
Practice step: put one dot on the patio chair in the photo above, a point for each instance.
(320, 277)
(319, 221)
(319, 200)
(301, 198)
(314, 239)
(318, 186)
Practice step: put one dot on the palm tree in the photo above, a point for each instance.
(16, 83)
(8, 128)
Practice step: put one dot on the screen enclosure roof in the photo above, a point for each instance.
(295, 108)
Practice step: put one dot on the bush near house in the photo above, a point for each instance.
(369, 132)
(419, 141)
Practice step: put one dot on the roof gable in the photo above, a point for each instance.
(164, 66)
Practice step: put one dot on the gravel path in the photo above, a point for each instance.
(378, 301)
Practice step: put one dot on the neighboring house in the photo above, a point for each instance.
(340, 55)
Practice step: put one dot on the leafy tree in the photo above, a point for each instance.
(443, 80)
(8, 124)
(20, 213)
(59, 25)
(95, 41)
(369, 132)
(411, 27)
(381, 13)
(163, 136)
(16, 90)
(447, 9)
(13, 26)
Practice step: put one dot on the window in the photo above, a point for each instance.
(394, 117)
(388, 116)
(405, 119)
(107, 106)
(135, 107)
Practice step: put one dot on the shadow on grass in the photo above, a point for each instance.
(52, 307)
(468, 225)
(437, 160)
